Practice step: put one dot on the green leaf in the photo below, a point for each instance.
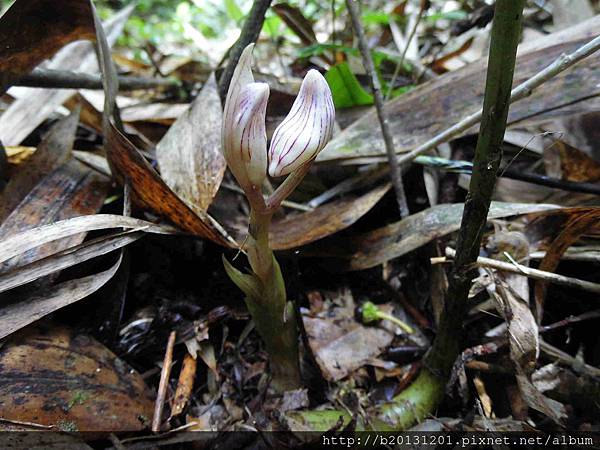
(233, 10)
(249, 284)
(345, 88)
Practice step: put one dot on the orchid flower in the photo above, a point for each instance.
(296, 141)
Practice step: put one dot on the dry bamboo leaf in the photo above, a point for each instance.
(66, 258)
(46, 37)
(304, 228)
(189, 155)
(433, 107)
(53, 151)
(397, 239)
(70, 190)
(53, 377)
(17, 315)
(24, 241)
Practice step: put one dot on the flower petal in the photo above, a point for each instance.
(306, 129)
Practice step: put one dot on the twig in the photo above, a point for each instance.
(506, 30)
(410, 37)
(521, 91)
(564, 358)
(466, 167)
(163, 384)
(570, 320)
(250, 32)
(64, 79)
(536, 274)
(376, 87)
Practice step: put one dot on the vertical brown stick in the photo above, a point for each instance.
(381, 114)
(163, 384)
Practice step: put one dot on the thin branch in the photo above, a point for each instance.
(506, 30)
(381, 114)
(250, 32)
(521, 91)
(163, 384)
(64, 79)
(536, 274)
(458, 166)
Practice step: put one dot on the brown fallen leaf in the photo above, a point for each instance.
(51, 376)
(576, 165)
(420, 114)
(24, 241)
(293, 18)
(70, 190)
(301, 229)
(189, 155)
(397, 239)
(339, 343)
(53, 151)
(46, 37)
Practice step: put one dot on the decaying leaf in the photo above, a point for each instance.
(301, 229)
(14, 316)
(189, 155)
(52, 152)
(70, 190)
(397, 239)
(51, 376)
(45, 31)
(341, 344)
(433, 107)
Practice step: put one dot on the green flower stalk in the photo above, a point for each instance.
(295, 144)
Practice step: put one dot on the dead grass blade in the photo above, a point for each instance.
(15, 316)
(22, 242)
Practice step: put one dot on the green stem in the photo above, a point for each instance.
(274, 318)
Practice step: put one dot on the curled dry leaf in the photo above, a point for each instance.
(189, 155)
(51, 376)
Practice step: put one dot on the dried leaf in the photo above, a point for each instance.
(17, 315)
(53, 377)
(433, 107)
(397, 239)
(66, 258)
(46, 36)
(583, 220)
(52, 152)
(70, 190)
(189, 155)
(576, 165)
(340, 344)
(301, 229)
(22, 242)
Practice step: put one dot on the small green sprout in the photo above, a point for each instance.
(371, 313)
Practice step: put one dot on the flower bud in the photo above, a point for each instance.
(243, 133)
(306, 129)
